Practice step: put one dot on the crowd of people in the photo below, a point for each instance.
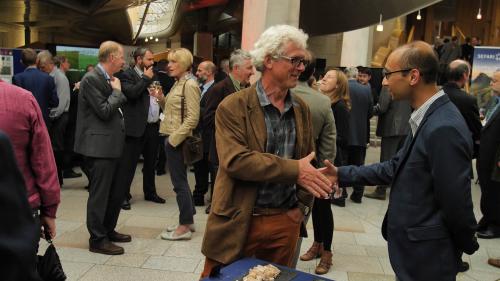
(275, 152)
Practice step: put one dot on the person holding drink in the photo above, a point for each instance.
(142, 115)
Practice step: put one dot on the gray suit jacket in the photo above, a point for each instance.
(361, 112)
(324, 131)
(100, 131)
(393, 115)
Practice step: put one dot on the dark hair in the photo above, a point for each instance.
(161, 64)
(467, 39)
(446, 40)
(87, 67)
(454, 38)
(419, 55)
(308, 71)
(28, 57)
(365, 70)
(456, 73)
(140, 52)
(58, 60)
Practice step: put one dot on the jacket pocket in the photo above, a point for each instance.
(415, 164)
(422, 233)
(227, 212)
(98, 133)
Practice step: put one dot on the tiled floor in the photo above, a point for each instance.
(360, 252)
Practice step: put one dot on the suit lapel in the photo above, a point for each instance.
(256, 115)
(409, 146)
(492, 117)
(102, 76)
(299, 128)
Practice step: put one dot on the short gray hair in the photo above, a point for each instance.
(351, 72)
(238, 57)
(45, 57)
(273, 40)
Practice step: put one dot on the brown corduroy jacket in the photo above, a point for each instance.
(244, 165)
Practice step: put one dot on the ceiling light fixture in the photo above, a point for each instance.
(419, 17)
(156, 40)
(380, 27)
(146, 40)
(479, 16)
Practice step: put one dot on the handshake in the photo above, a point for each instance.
(322, 182)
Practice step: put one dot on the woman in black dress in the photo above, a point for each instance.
(334, 85)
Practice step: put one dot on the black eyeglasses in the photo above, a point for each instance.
(296, 61)
(386, 73)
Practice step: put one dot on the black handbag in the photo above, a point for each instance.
(192, 146)
(49, 265)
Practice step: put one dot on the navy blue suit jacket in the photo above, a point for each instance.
(361, 112)
(41, 85)
(429, 222)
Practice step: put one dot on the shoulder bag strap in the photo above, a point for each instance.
(183, 98)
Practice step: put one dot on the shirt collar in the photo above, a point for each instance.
(208, 84)
(138, 70)
(417, 115)
(264, 100)
(236, 83)
(106, 75)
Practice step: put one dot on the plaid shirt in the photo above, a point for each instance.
(417, 116)
(281, 138)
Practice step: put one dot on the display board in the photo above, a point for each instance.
(486, 61)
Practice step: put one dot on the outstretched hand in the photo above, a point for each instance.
(312, 179)
(330, 172)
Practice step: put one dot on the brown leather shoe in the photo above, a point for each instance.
(494, 262)
(314, 252)
(107, 248)
(118, 237)
(325, 263)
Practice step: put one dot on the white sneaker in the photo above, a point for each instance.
(175, 226)
(171, 236)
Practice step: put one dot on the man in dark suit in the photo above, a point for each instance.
(142, 116)
(40, 84)
(202, 173)
(361, 112)
(100, 137)
(488, 167)
(241, 68)
(429, 222)
(458, 73)
(392, 127)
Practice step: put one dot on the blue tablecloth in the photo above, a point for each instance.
(241, 267)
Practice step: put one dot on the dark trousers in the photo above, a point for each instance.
(323, 224)
(490, 204)
(178, 176)
(104, 203)
(57, 134)
(356, 156)
(388, 148)
(203, 175)
(162, 158)
(147, 144)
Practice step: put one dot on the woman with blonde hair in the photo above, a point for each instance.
(183, 98)
(334, 86)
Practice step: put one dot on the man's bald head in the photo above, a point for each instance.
(458, 71)
(418, 55)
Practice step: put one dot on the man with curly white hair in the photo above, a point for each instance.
(265, 183)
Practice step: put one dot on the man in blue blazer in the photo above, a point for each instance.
(429, 222)
(39, 83)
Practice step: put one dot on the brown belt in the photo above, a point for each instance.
(268, 211)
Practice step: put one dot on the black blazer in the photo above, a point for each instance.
(429, 222)
(214, 97)
(489, 151)
(18, 233)
(135, 111)
(393, 115)
(467, 105)
(361, 112)
(100, 130)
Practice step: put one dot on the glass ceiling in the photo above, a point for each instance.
(158, 19)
